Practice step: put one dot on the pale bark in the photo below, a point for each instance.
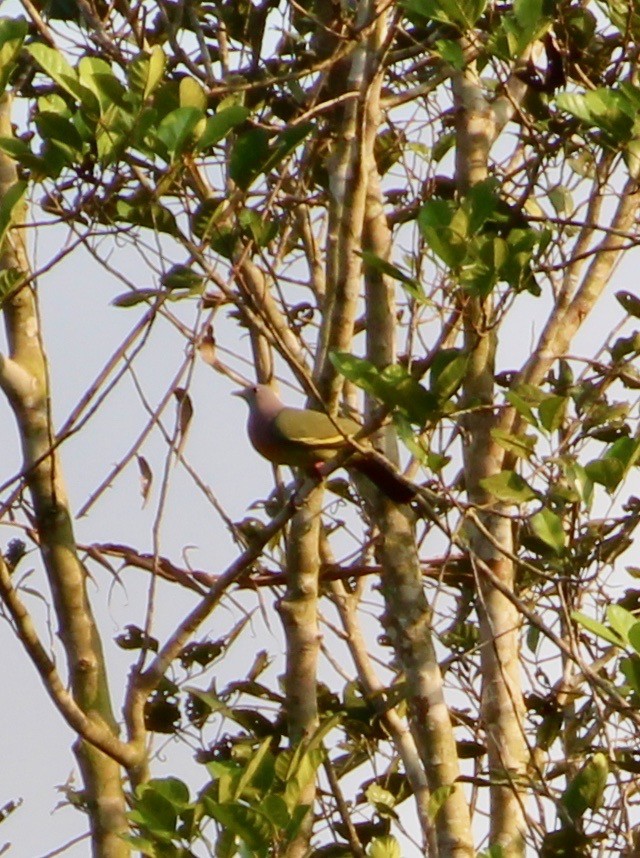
(500, 622)
(563, 325)
(348, 181)
(24, 379)
(407, 616)
(299, 613)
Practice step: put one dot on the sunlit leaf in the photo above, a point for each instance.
(10, 280)
(521, 445)
(219, 125)
(547, 526)
(154, 71)
(606, 471)
(508, 486)
(11, 207)
(57, 67)
(12, 35)
(438, 798)
(97, 75)
(586, 790)
(620, 620)
(462, 14)
(180, 128)
(551, 412)
(448, 371)
(596, 628)
(192, 94)
(384, 847)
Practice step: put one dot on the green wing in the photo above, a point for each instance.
(306, 432)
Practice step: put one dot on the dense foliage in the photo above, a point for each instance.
(422, 201)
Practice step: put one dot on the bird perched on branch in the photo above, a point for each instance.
(307, 439)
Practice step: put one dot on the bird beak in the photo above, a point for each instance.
(243, 394)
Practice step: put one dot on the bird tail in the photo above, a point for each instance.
(384, 476)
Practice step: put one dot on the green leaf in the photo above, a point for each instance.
(262, 229)
(21, 152)
(179, 129)
(10, 280)
(96, 75)
(579, 481)
(522, 406)
(516, 31)
(54, 64)
(445, 142)
(633, 636)
(607, 472)
(114, 133)
(135, 297)
(12, 35)
(435, 219)
(157, 64)
(285, 143)
(275, 809)
(597, 628)
(182, 277)
(11, 207)
(508, 486)
(631, 155)
(533, 638)
(145, 73)
(626, 451)
(448, 371)
(561, 199)
(416, 444)
(620, 620)
(62, 134)
(192, 94)
(219, 125)
(630, 668)
(248, 825)
(586, 790)
(611, 110)
(451, 52)
(528, 14)
(547, 526)
(154, 813)
(173, 789)
(438, 799)
(384, 847)
(379, 796)
(393, 386)
(147, 213)
(482, 207)
(551, 412)
(252, 767)
(494, 851)
(414, 288)
(250, 153)
(624, 346)
(461, 14)
(519, 445)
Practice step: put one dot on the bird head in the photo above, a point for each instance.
(261, 397)
(247, 393)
